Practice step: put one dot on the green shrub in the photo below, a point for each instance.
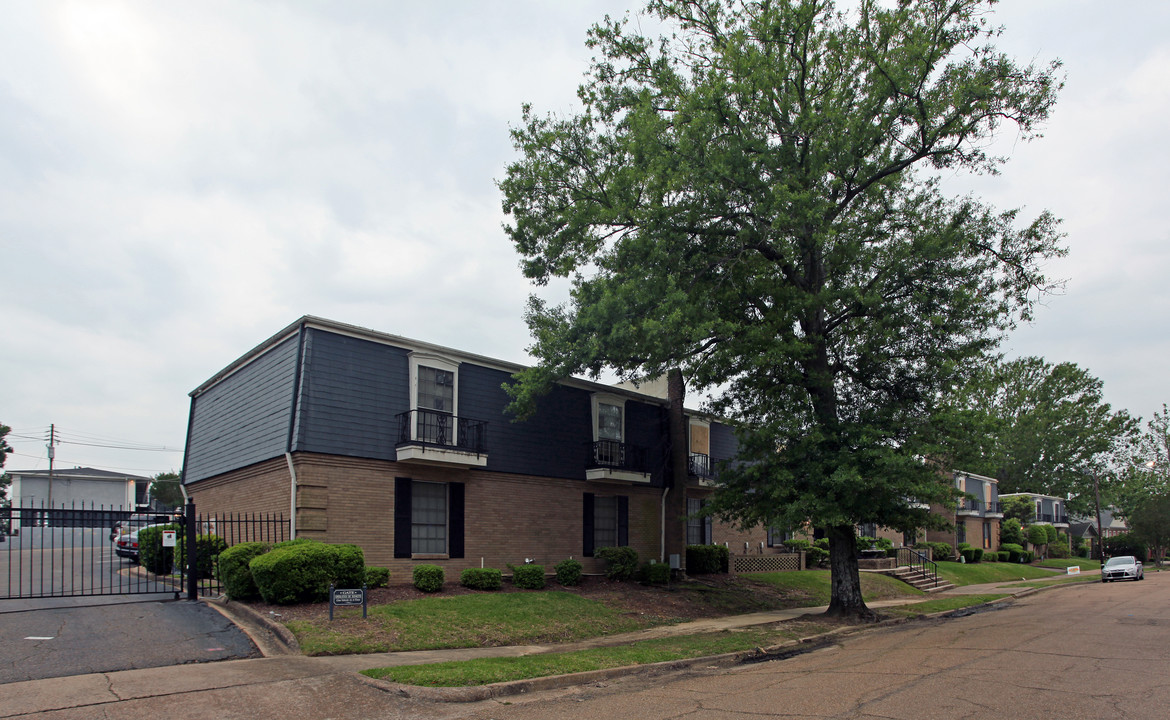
(621, 563)
(233, 571)
(207, 549)
(796, 544)
(1004, 556)
(1037, 535)
(377, 577)
(938, 550)
(529, 577)
(569, 572)
(816, 556)
(349, 566)
(1058, 548)
(978, 554)
(294, 543)
(428, 578)
(481, 579)
(1053, 533)
(1013, 552)
(707, 559)
(151, 553)
(294, 573)
(990, 556)
(656, 573)
(1011, 532)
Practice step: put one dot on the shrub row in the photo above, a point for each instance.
(707, 559)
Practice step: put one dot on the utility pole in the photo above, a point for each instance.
(1100, 537)
(52, 454)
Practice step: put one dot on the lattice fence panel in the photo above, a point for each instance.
(765, 563)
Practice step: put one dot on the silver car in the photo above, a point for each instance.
(1122, 567)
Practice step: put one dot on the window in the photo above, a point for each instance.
(609, 430)
(986, 536)
(961, 532)
(428, 518)
(777, 536)
(868, 530)
(434, 397)
(700, 448)
(605, 522)
(698, 528)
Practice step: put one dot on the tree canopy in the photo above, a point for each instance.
(1037, 427)
(753, 198)
(1144, 471)
(165, 488)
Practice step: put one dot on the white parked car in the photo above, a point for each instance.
(1122, 567)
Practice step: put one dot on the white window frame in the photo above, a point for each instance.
(437, 362)
(604, 399)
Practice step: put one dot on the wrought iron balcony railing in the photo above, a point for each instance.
(617, 455)
(433, 427)
(699, 465)
(979, 507)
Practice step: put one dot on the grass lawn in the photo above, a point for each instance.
(467, 621)
(813, 586)
(1085, 564)
(983, 572)
(492, 670)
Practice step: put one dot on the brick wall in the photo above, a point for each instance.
(507, 518)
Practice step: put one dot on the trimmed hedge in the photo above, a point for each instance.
(621, 563)
(569, 572)
(529, 577)
(707, 559)
(656, 573)
(234, 573)
(1013, 550)
(151, 553)
(207, 549)
(481, 579)
(301, 571)
(428, 578)
(377, 576)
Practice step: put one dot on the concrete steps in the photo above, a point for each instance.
(915, 579)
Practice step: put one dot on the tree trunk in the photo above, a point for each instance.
(676, 498)
(845, 577)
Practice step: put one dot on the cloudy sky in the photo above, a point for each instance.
(178, 181)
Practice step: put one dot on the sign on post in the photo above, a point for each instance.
(345, 597)
(1074, 570)
(168, 538)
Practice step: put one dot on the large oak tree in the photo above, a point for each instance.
(752, 197)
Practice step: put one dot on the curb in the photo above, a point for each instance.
(552, 682)
(270, 637)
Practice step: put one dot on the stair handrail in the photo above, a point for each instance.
(918, 562)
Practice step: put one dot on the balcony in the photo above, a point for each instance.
(434, 437)
(1052, 518)
(978, 508)
(613, 461)
(699, 466)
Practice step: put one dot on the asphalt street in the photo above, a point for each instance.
(80, 639)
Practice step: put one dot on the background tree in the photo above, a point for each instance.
(1011, 531)
(5, 478)
(1036, 427)
(1149, 523)
(750, 198)
(1020, 508)
(165, 488)
(1143, 472)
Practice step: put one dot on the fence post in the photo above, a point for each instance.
(192, 552)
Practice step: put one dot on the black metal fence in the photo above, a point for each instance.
(81, 550)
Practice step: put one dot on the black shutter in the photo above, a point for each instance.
(455, 520)
(402, 517)
(587, 526)
(623, 520)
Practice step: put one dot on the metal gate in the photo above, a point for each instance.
(48, 552)
(72, 552)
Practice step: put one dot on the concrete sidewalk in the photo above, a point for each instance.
(96, 694)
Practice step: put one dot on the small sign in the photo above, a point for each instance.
(347, 597)
(169, 538)
(1074, 570)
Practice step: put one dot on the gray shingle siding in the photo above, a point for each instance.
(724, 446)
(352, 391)
(243, 419)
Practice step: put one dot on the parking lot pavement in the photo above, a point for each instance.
(77, 639)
